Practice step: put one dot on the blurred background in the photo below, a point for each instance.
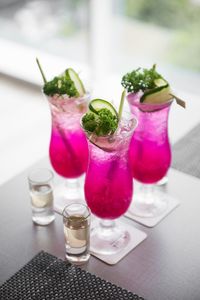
(101, 39)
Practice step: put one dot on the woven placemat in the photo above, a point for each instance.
(186, 153)
(46, 277)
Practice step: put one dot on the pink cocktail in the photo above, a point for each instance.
(68, 146)
(108, 183)
(150, 152)
(68, 149)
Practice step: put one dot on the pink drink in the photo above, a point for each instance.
(108, 184)
(150, 152)
(68, 148)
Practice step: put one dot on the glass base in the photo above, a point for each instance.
(148, 202)
(77, 259)
(42, 216)
(108, 238)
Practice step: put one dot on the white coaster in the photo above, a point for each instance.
(136, 237)
(153, 221)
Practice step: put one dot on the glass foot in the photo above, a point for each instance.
(149, 203)
(108, 238)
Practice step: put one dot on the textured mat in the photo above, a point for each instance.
(46, 277)
(186, 153)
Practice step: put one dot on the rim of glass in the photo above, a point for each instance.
(37, 170)
(156, 105)
(115, 134)
(164, 104)
(83, 98)
(80, 204)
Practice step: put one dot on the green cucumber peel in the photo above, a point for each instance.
(101, 119)
(153, 91)
(76, 80)
(97, 104)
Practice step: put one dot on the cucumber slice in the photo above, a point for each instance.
(77, 81)
(97, 104)
(160, 82)
(158, 95)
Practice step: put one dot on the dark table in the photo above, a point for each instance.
(165, 266)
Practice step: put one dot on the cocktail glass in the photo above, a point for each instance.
(109, 186)
(150, 155)
(68, 149)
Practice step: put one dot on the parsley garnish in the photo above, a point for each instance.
(140, 79)
(60, 85)
(102, 123)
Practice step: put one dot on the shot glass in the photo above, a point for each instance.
(41, 193)
(76, 220)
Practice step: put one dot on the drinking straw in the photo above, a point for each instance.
(41, 71)
(121, 104)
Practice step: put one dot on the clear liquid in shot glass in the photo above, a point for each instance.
(77, 238)
(42, 204)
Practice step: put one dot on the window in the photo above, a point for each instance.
(56, 31)
(164, 32)
(58, 27)
(110, 36)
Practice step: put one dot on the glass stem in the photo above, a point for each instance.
(73, 189)
(107, 224)
(147, 191)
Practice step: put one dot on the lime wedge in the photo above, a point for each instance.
(76, 80)
(97, 104)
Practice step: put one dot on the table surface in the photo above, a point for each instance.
(165, 266)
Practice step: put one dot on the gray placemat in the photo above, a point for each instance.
(186, 153)
(46, 277)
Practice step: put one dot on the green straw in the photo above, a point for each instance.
(41, 71)
(121, 103)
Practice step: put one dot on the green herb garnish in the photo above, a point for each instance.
(141, 80)
(68, 83)
(101, 123)
(102, 118)
(60, 85)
